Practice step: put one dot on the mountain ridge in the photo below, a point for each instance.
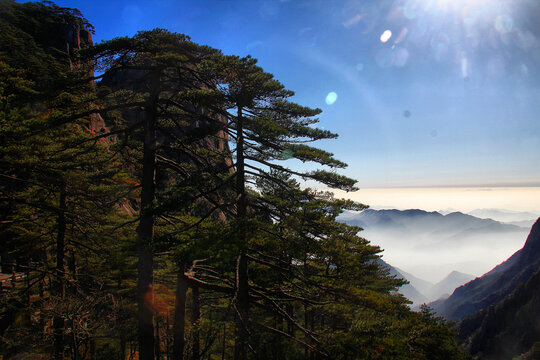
(507, 329)
(433, 245)
(506, 216)
(399, 218)
(495, 285)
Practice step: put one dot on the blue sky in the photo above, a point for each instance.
(451, 98)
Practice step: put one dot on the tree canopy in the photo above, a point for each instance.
(150, 208)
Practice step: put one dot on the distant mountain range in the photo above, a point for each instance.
(500, 311)
(424, 221)
(432, 245)
(525, 219)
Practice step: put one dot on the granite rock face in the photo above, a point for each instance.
(133, 80)
(71, 37)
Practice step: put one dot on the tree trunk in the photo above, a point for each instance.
(180, 315)
(122, 346)
(27, 273)
(58, 320)
(290, 325)
(223, 343)
(167, 335)
(195, 317)
(312, 328)
(157, 341)
(93, 349)
(75, 346)
(72, 265)
(242, 286)
(242, 305)
(306, 349)
(145, 229)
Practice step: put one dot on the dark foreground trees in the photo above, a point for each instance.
(177, 228)
(60, 187)
(155, 70)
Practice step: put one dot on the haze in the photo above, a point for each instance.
(464, 199)
(430, 245)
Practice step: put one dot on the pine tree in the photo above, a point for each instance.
(161, 76)
(264, 127)
(262, 267)
(59, 185)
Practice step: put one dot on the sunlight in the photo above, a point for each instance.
(460, 4)
(464, 8)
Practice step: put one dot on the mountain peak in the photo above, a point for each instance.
(456, 273)
(455, 278)
(531, 249)
(460, 215)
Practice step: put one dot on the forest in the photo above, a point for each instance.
(150, 209)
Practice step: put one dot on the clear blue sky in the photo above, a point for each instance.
(451, 98)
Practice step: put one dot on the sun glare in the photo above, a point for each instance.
(417, 8)
(460, 4)
(450, 31)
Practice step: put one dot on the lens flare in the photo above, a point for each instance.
(385, 36)
(401, 35)
(331, 98)
(464, 68)
(159, 299)
(354, 20)
(504, 24)
(400, 57)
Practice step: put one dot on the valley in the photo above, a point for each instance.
(430, 245)
(436, 252)
(498, 312)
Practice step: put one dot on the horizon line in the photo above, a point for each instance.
(454, 186)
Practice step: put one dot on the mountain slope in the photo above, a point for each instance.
(423, 286)
(446, 286)
(510, 328)
(443, 288)
(497, 284)
(407, 290)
